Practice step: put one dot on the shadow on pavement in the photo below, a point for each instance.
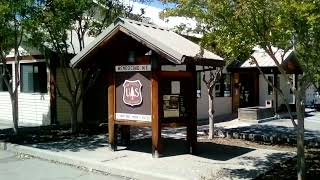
(174, 147)
(76, 144)
(171, 147)
(260, 166)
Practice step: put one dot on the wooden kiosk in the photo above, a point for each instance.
(152, 81)
(143, 95)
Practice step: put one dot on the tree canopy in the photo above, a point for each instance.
(235, 27)
(14, 17)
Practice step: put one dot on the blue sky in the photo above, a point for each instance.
(158, 4)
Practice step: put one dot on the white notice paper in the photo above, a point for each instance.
(175, 87)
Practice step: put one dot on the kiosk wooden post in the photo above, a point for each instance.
(111, 111)
(155, 124)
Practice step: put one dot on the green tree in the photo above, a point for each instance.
(236, 27)
(210, 78)
(63, 26)
(14, 17)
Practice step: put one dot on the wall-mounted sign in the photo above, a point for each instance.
(132, 92)
(130, 68)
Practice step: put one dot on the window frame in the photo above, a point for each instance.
(42, 82)
(3, 86)
(222, 84)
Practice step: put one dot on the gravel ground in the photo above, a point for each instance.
(283, 170)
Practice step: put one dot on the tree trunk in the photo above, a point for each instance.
(15, 115)
(74, 119)
(211, 116)
(300, 137)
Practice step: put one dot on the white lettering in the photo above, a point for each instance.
(128, 68)
(135, 117)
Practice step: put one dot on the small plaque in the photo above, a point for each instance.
(134, 117)
(131, 68)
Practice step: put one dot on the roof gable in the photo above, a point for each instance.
(264, 60)
(174, 47)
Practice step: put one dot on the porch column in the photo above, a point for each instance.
(235, 92)
(275, 93)
(295, 85)
(192, 122)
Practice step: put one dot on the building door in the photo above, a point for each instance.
(247, 90)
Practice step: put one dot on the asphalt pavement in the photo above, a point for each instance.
(20, 167)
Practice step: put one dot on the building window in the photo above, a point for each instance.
(3, 86)
(223, 86)
(270, 89)
(34, 77)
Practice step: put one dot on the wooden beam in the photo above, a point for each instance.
(204, 62)
(155, 124)
(174, 74)
(111, 112)
(133, 123)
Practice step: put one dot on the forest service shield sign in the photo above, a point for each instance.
(132, 95)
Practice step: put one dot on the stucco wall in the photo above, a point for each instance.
(263, 90)
(63, 108)
(222, 105)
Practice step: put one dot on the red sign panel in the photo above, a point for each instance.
(132, 92)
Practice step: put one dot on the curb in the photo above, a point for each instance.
(88, 164)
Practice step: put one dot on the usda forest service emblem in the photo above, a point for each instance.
(132, 95)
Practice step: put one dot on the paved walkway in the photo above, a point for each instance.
(135, 161)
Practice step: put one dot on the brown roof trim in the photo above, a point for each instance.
(203, 62)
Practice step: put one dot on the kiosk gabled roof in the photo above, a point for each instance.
(175, 47)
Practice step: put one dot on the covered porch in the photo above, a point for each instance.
(251, 92)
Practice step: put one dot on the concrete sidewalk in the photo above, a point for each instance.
(135, 161)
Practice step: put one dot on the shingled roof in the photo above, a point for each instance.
(177, 49)
(264, 60)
